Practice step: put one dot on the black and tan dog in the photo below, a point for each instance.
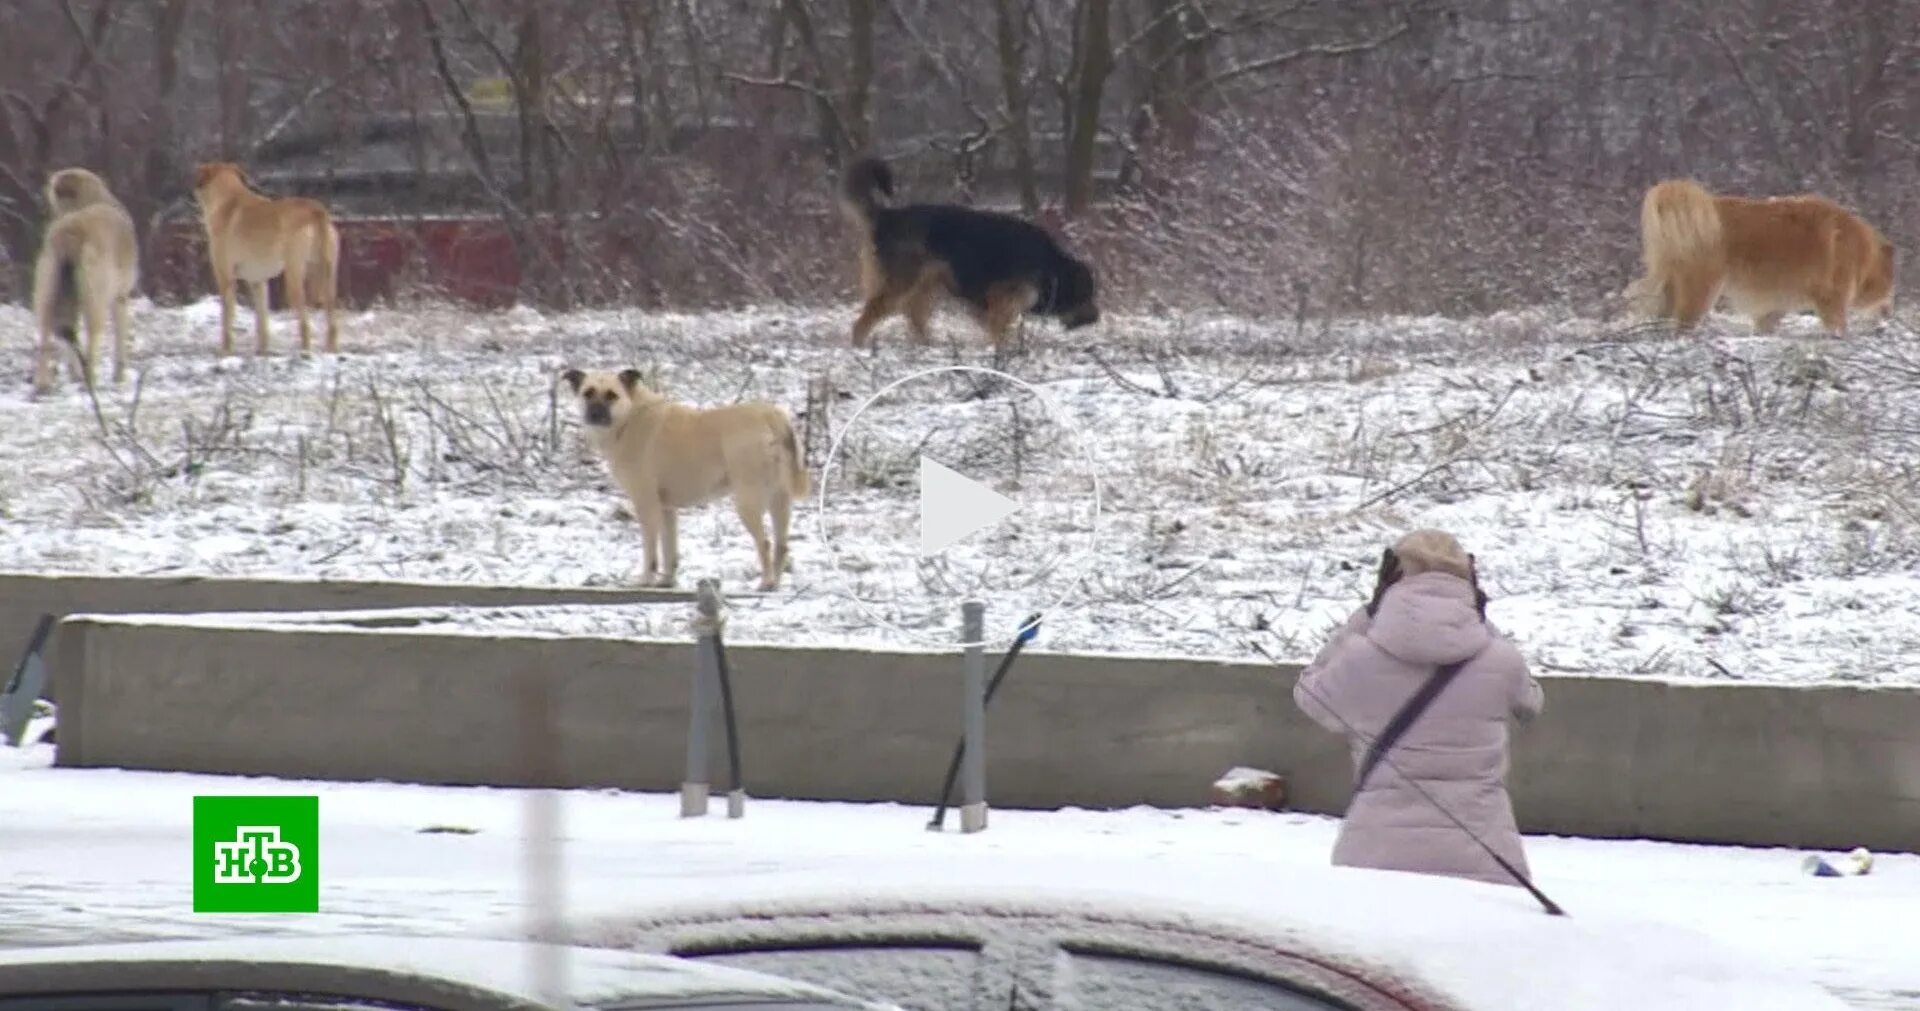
(999, 266)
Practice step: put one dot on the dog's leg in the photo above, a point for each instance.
(648, 513)
(44, 364)
(878, 308)
(669, 546)
(1833, 314)
(122, 339)
(94, 312)
(782, 510)
(260, 307)
(919, 309)
(47, 368)
(753, 513)
(1880, 315)
(1003, 309)
(224, 280)
(330, 288)
(295, 281)
(1693, 297)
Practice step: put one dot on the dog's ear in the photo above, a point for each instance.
(574, 377)
(204, 174)
(629, 378)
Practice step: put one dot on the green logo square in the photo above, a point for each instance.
(256, 854)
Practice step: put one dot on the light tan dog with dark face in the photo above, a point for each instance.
(669, 456)
(255, 238)
(88, 266)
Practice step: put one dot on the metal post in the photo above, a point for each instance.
(713, 622)
(973, 770)
(694, 788)
(541, 850)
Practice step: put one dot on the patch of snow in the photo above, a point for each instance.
(1240, 777)
(100, 855)
(1721, 507)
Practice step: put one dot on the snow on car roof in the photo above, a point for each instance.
(593, 975)
(1486, 947)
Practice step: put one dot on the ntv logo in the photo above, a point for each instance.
(256, 857)
(256, 854)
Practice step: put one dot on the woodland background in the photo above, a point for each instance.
(1365, 156)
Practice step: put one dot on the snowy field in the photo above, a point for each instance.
(103, 855)
(1725, 507)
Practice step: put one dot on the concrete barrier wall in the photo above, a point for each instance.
(24, 597)
(1823, 766)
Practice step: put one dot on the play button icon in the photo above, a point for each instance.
(953, 484)
(953, 505)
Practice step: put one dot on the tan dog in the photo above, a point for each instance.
(1769, 257)
(255, 238)
(669, 456)
(88, 266)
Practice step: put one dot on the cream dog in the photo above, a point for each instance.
(669, 456)
(88, 266)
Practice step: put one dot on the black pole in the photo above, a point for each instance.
(34, 644)
(1028, 629)
(24, 686)
(726, 713)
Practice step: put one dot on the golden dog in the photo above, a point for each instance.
(255, 238)
(1769, 257)
(88, 266)
(669, 456)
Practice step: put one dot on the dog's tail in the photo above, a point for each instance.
(798, 483)
(866, 181)
(1679, 228)
(56, 281)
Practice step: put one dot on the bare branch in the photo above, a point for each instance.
(785, 83)
(1294, 56)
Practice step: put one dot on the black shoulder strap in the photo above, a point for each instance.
(1402, 720)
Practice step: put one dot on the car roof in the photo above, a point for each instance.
(453, 970)
(1472, 945)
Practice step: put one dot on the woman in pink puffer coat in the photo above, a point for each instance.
(1427, 612)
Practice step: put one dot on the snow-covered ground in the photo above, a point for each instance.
(1722, 507)
(104, 855)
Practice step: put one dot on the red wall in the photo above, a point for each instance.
(466, 260)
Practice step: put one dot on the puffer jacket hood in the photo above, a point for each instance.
(1429, 619)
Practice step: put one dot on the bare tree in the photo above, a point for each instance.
(1092, 62)
(1387, 155)
(1010, 42)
